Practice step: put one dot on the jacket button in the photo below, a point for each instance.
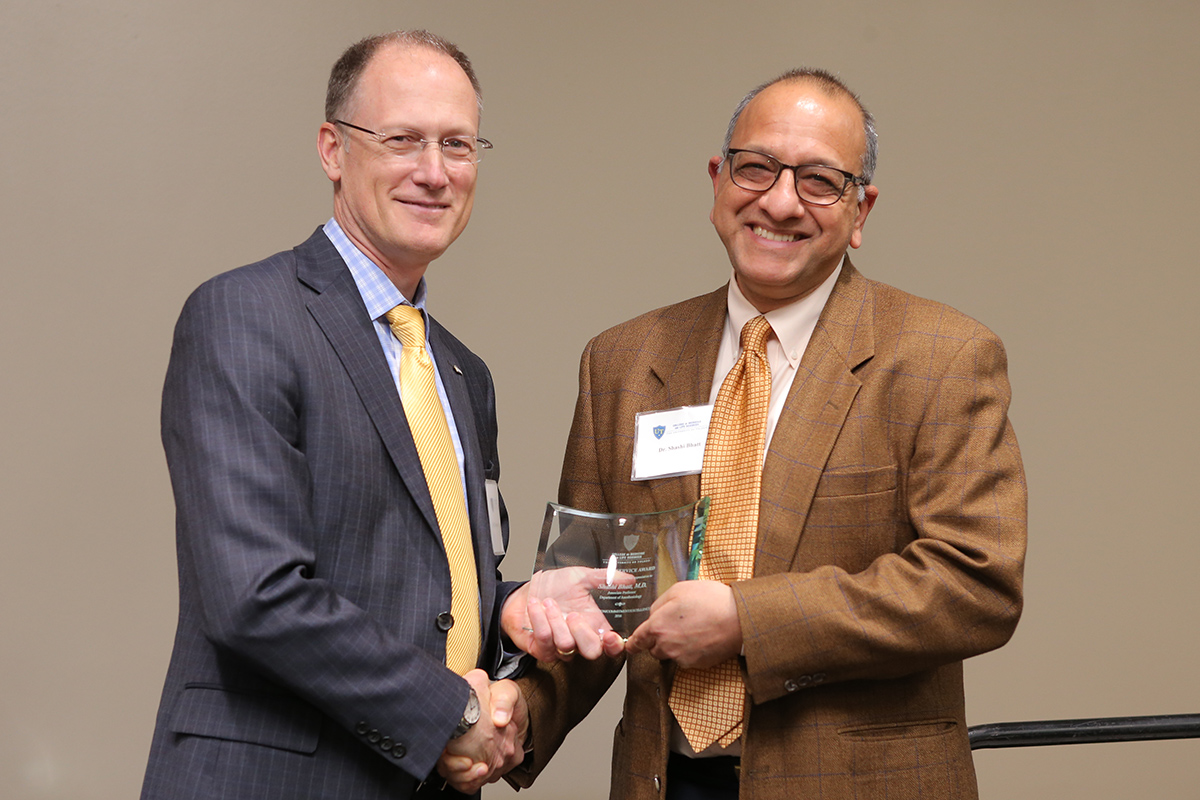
(819, 678)
(445, 621)
(374, 736)
(362, 728)
(398, 751)
(791, 685)
(386, 744)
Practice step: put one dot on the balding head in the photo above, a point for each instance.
(832, 86)
(346, 72)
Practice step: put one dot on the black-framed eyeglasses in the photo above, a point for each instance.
(407, 143)
(816, 184)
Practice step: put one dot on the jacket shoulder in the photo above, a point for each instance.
(897, 312)
(266, 277)
(267, 282)
(675, 322)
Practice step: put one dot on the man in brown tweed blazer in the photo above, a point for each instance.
(891, 528)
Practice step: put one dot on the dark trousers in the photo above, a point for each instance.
(702, 778)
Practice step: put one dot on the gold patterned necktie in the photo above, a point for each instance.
(709, 703)
(427, 421)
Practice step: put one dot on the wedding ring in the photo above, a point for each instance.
(566, 653)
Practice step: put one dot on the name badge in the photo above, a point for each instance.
(670, 443)
(493, 508)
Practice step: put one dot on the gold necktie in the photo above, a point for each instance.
(708, 703)
(427, 420)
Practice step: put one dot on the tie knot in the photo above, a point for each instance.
(754, 335)
(407, 325)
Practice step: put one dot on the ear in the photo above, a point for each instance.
(871, 193)
(329, 148)
(714, 172)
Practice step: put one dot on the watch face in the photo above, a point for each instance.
(471, 715)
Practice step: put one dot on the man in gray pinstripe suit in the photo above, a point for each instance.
(309, 660)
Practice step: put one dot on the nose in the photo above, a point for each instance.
(431, 167)
(781, 201)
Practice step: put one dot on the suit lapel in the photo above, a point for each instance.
(686, 357)
(812, 418)
(455, 383)
(339, 311)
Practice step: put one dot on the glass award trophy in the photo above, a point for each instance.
(656, 549)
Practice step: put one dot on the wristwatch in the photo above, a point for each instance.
(470, 715)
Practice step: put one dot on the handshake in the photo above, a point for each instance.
(553, 618)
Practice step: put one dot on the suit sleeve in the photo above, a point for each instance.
(232, 430)
(951, 589)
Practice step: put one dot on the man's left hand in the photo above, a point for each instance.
(553, 616)
(695, 623)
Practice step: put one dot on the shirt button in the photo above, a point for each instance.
(445, 621)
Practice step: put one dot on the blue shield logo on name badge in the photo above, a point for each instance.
(659, 430)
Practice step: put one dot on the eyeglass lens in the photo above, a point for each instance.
(461, 149)
(815, 184)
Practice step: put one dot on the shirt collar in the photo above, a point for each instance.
(793, 324)
(379, 294)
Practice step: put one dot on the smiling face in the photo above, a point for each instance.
(782, 249)
(402, 212)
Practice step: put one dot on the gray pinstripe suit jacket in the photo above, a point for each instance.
(308, 662)
(891, 543)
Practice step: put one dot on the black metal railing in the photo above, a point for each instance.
(1084, 731)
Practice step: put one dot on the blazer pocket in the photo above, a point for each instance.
(271, 720)
(900, 730)
(845, 483)
(902, 761)
(853, 519)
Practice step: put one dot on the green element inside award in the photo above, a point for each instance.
(657, 549)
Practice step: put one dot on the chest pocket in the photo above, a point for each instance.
(853, 520)
(850, 482)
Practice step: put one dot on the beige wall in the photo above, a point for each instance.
(1038, 172)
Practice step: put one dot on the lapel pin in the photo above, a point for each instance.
(456, 369)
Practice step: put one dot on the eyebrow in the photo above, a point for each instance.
(801, 164)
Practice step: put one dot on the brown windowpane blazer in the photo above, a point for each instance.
(890, 545)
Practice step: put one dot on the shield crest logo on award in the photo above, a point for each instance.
(659, 430)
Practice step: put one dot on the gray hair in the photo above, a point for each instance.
(346, 72)
(831, 84)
